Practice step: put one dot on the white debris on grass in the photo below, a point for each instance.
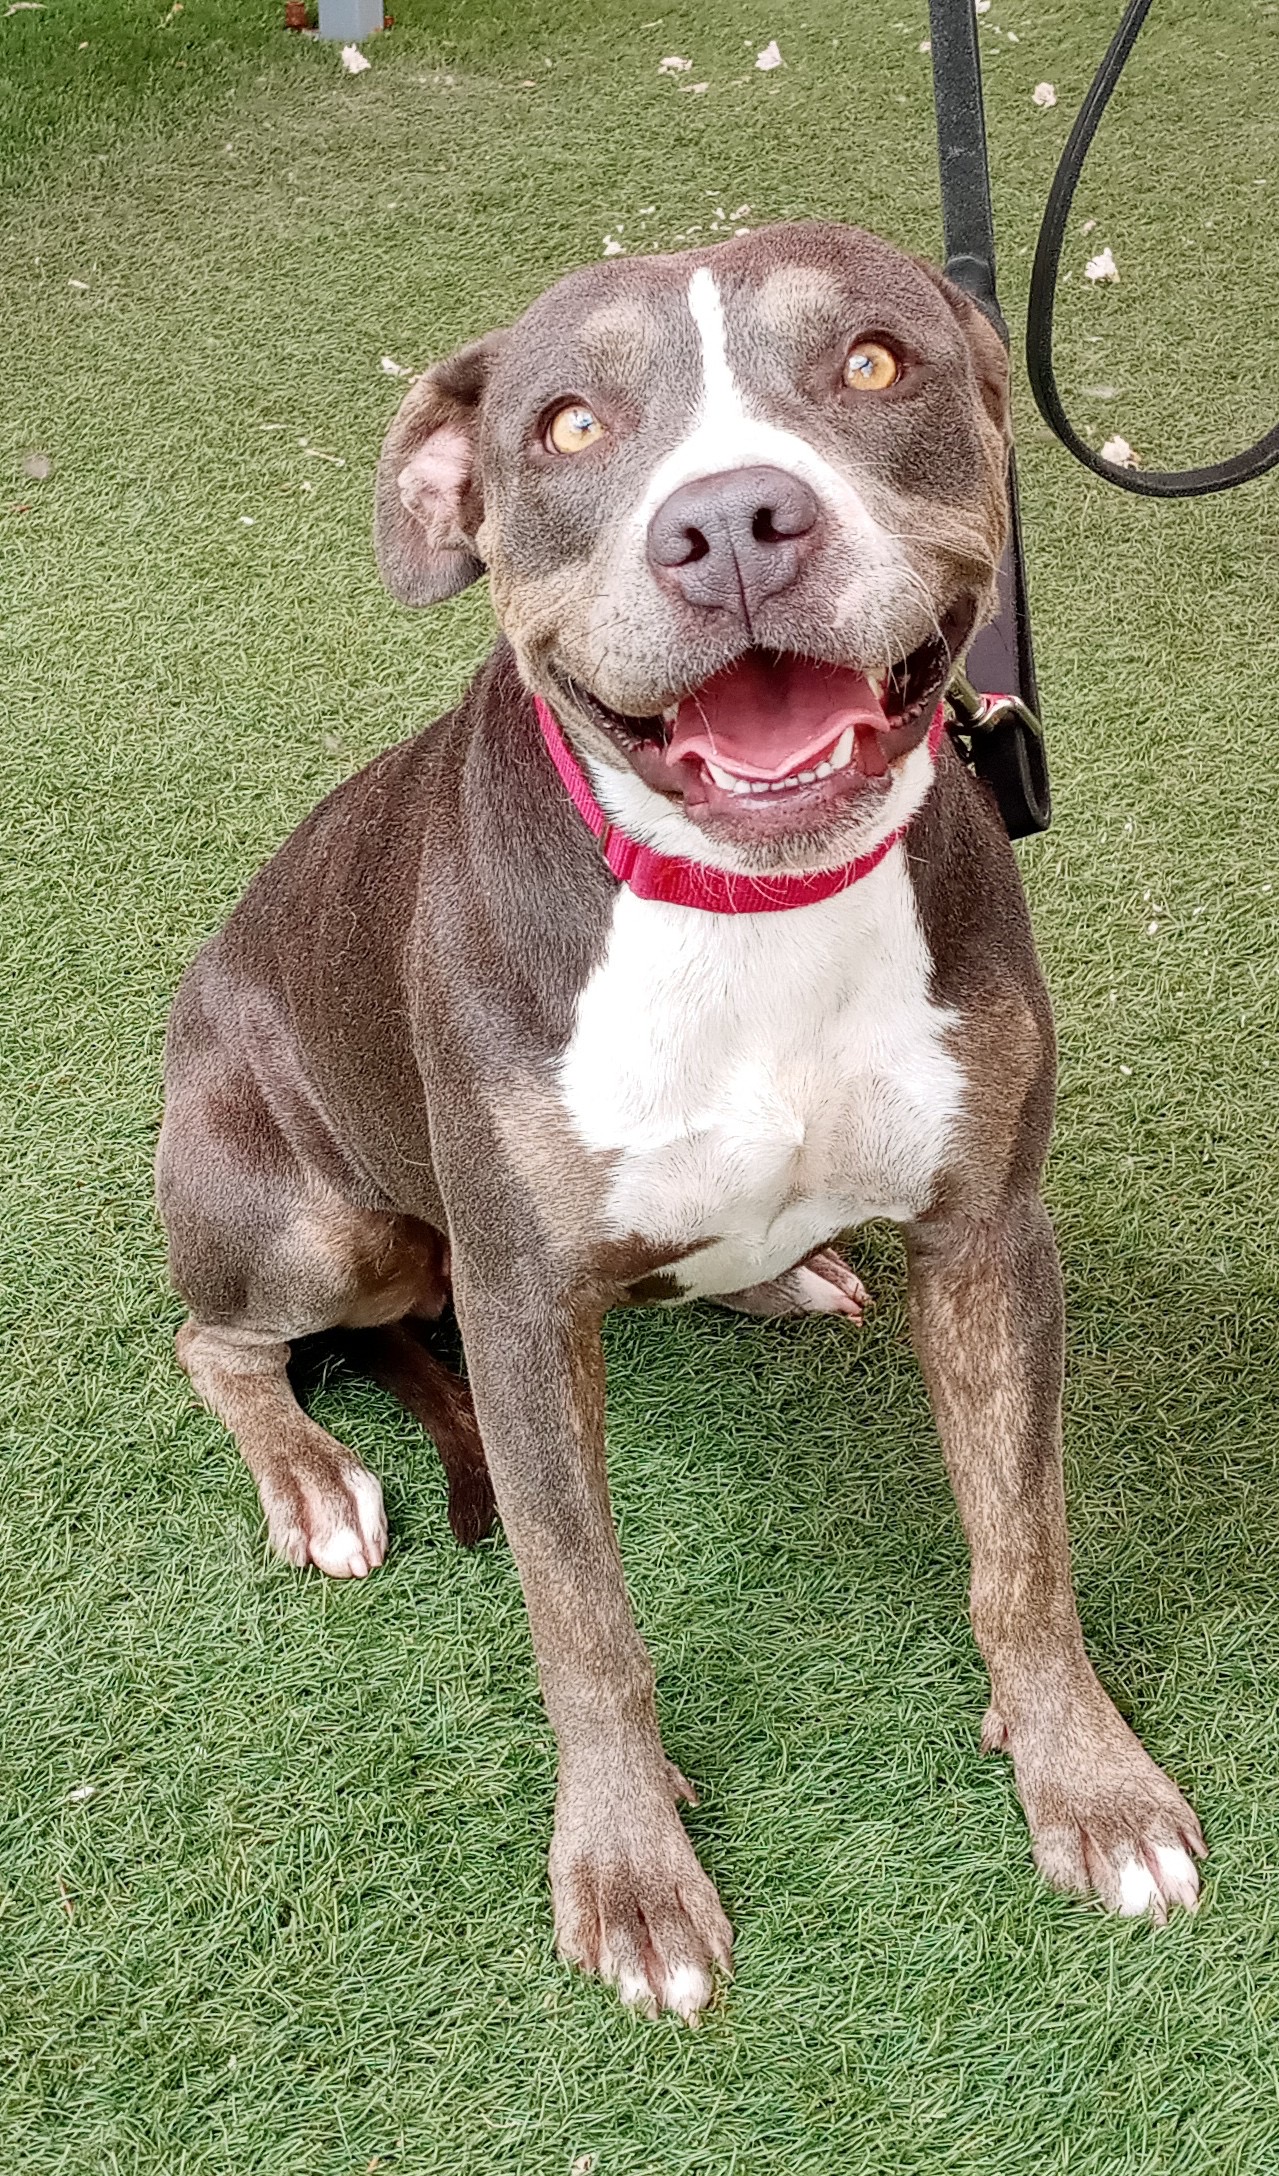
(1088, 226)
(612, 247)
(80, 1793)
(354, 61)
(1099, 392)
(925, 45)
(1102, 266)
(392, 369)
(1119, 453)
(769, 56)
(1044, 95)
(674, 66)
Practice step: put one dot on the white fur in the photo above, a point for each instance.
(1138, 1889)
(687, 1990)
(1178, 1875)
(348, 1552)
(764, 1081)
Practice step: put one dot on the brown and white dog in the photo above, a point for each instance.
(740, 510)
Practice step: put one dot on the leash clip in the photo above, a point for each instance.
(1002, 740)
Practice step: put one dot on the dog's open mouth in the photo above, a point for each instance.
(779, 742)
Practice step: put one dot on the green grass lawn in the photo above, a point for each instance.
(272, 1893)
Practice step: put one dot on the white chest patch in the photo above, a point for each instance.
(764, 1081)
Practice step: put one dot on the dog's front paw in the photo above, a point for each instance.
(1104, 1819)
(633, 1905)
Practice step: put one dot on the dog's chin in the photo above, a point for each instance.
(779, 749)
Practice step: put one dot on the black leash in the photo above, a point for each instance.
(998, 735)
(1185, 483)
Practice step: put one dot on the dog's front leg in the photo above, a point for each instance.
(631, 1900)
(986, 1311)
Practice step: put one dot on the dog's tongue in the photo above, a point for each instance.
(767, 718)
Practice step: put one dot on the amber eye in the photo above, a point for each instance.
(573, 427)
(870, 367)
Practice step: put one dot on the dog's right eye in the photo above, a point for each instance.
(571, 428)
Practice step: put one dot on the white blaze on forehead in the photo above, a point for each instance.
(726, 435)
(718, 383)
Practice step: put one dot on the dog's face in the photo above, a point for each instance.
(740, 509)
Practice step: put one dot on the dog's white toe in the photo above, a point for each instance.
(1178, 1876)
(687, 1991)
(1139, 1892)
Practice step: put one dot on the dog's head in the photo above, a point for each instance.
(740, 509)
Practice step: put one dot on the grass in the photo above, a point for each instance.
(272, 1899)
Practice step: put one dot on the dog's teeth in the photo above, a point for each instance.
(779, 785)
(806, 777)
(823, 770)
(723, 779)
(876, 680)
(742, 785)
(841, 754)
(670, 714)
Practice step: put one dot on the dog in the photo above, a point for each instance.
(683, 945)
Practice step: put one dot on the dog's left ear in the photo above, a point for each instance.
(427, 504)
(989, 355)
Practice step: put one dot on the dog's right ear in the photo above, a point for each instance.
(427, 504)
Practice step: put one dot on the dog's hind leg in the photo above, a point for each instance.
(322, 1506)
(437, 1397)
(822, 1284)
(265, 1250)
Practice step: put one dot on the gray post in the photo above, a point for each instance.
(350, 21)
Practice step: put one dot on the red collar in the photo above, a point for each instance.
(677, 883)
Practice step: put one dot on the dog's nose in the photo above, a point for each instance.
(729, 541)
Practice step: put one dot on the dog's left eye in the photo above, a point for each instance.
(572, 427)
(870, 367)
